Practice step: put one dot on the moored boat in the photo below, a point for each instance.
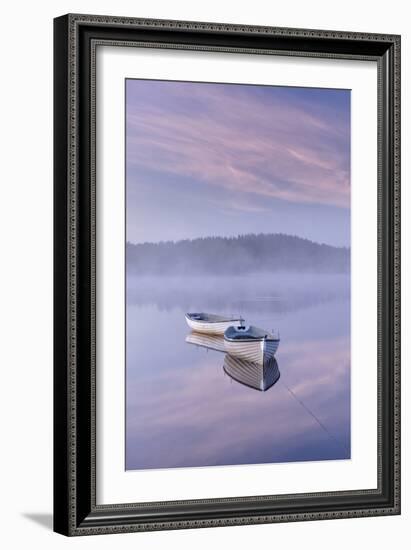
(260, 376)
(209, 323)
(250, 343)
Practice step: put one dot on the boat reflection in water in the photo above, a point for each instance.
(208, 341)
(259, 376)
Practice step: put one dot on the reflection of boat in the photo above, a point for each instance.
(260, 376)
(208, 341)
(209, 323)
(250, 343)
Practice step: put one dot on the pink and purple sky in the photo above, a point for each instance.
(226, 159)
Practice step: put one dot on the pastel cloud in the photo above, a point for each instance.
(254, 141)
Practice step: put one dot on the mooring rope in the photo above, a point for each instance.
(332, 436)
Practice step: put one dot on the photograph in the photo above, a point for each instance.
(237, 267)
(227, 273)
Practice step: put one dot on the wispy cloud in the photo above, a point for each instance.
(244, 139)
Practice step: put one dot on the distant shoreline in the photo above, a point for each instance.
(241, 255)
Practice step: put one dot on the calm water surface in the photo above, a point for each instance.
(183, 410)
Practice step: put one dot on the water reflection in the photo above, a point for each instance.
(259, 376)
(182, 411)
(254, 375)
(207, 341)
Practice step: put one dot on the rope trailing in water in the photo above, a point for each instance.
(332, 436)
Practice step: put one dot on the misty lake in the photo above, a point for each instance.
(184, 410)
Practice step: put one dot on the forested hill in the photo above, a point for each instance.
(235, 256)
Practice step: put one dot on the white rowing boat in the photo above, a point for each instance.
(209, 323)
(260, 376)
(250, 343)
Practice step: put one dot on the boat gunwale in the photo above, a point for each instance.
(243, 338)
(253, 339)
(220, 319)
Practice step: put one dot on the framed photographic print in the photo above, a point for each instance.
(227, 276)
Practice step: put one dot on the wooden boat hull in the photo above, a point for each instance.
(260, 376)
(206, 327)
(256, 351)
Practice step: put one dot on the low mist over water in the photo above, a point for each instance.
(278, 292)
(244, 254)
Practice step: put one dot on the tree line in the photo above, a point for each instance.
(242, 254)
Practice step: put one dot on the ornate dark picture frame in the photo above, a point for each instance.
(76, 38)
